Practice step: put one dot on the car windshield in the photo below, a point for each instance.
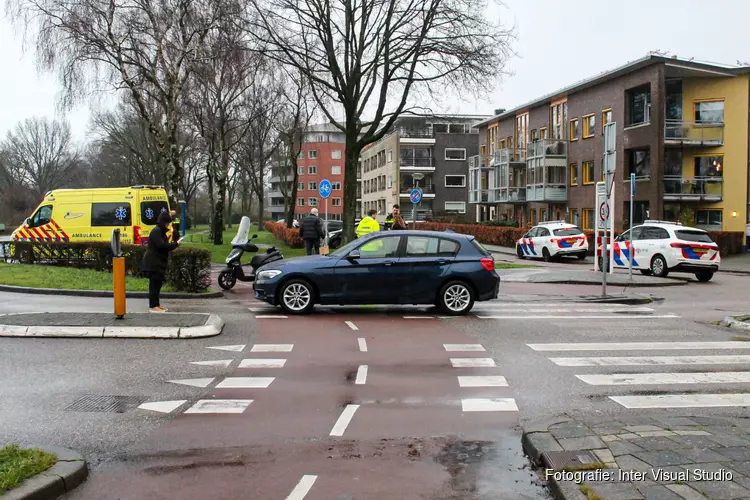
(567, 231)
(696, 236)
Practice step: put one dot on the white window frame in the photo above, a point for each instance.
(312, 170)
(300, 170)
(301, 186)
(312, 154)
(390, 156)
(455, 149)
(445, 181)
(312, 185)
(336, 186)
(336, 170)
(313, 202)
(461, 211)
(336, 154)
(336, 202)
(300, 202)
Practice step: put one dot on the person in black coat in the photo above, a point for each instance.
(311, 232)
(154, 265)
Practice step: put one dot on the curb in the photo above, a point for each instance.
(736, 324)
(106, 293)
(632, 301)
(70, 471)
(630, 285)
(213, 326)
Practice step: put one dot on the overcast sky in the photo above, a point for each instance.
(559, 42)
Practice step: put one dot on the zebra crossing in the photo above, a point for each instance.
(695, 388)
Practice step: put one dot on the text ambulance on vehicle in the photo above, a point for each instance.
(661, 247)
(552, 240)
(76, 215)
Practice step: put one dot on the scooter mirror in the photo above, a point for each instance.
(254, 236)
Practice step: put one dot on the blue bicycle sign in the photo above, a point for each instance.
(415, 196)
(324, 188)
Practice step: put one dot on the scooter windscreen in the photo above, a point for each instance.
(242, 232)
(234, 254)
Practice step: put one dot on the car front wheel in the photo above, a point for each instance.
(296, 297)
(659, 267)
(519, 252)
(456, 298)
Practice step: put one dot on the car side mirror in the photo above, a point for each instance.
(27, 221)
(353, 255)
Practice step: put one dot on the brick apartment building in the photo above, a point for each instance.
(681, 127)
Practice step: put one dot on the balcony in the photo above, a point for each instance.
(684, 133)
(479, 196)
(693, 188)
(428, 191)
(546, 170)
(417, 164)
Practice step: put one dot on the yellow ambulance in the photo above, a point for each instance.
(78, 215)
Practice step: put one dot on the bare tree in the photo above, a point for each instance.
(40, 155)
(377, 53)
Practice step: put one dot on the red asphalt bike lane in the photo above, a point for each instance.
(390, 427)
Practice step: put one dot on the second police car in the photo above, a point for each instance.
(552, 240)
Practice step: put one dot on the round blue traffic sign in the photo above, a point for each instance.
(324, 188)
(415, 196)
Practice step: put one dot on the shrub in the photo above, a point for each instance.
(189, 270)
(290, 236)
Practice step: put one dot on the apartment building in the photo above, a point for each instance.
(431, 153)
(681, 127)
(321, 157)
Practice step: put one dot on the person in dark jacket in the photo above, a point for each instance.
(311, 232)
(154, 265)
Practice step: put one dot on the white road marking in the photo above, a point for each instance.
(262, 363)
(574, 309)
(569, 316)
(195, 382)
(272, 348)
(271, 316)
(683, 401)
(472, 362)
(644, 346)
(667, 378)
(220, 406)
(234, 348)
(482, 381)
(362, 344)
(419, 317)
(245, 383)
(351, 325)
(463, 347)
(163, 406)
(493, 404)
(303, 487)
(652, 360)
(502, 305)
(361, 375)
(344, 419)
(258, 309)
(213, 362)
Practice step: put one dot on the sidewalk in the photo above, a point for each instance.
(642, 458)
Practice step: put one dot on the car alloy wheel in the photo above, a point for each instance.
(296, 297)
(456, 298)
(659, 267)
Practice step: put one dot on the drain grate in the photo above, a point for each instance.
(106, 404)
(559, 460)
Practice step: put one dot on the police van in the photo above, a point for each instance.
(78, 215)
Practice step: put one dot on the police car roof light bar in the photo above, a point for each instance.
(653, 221)
(553, 222)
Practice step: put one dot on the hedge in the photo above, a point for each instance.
(189, 269)
(283, 233)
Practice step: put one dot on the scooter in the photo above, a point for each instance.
(240, 244)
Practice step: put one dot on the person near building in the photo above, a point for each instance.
(156, 259)
(368, 224)
(398, 221)
(311, 232)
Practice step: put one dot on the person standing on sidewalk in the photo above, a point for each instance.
(156, 259)
(311, 232)
(398, 221)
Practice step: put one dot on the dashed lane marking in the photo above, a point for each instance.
(351, 325)
(362, 344)
(214, 362)
(683, 401)
(272, 348)
(666, 378)
(634, 346)
(271, 316)
(233, 348)
(463, 347)
(163, 406)
(195, 382)
(472, 362)
(245, 383)
(343, 422)
(219, 406)
(652, 360)
(361, 375)
(303, 487)
(491, 404)
(482, 381)
(419, 317)
(262, 363)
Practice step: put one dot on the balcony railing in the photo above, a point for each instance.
(479, 196)
(693, 188)
(694, 133)
(547, 147)
(417, 162)
(479, 162)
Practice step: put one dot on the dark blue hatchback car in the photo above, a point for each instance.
(448, 270)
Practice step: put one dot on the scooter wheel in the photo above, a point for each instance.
(227, 281)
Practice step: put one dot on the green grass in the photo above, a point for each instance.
(508, 265)
(40, 276)
(17, 465)
(199, 237)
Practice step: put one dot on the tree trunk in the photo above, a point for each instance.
(289, 210)
(218, 223)
(211, 198)
(350, 185)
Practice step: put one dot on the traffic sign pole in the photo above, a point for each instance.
(416, 197)
(632, 249)
(324, 188)
(605, 253)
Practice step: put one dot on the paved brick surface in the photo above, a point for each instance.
(670, 458)
(105, 319)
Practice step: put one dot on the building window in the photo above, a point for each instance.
(455, 181)
(708, 217)
(558, 117)
(390, 156)
(300, 202)
(312, 154)
(534, 134)
(336, 170)
(455, 207)
(606, 118)
(502, 144)
(532, 216)
(300, 186)
(709, 112)
(300, 170)
(336, 202)
(521, 132)
(336, 186)
(543, 133)
(312, 170)
(588, 219)
(589, 126)
(574, 174)
(589, 172)
(639, 163)
(709, 166)
(455, 154)
(483, 150)
(301, 155)
(639, 105)
(312, 202)
(312, 186)
(573, 217)
(543, 215)
(336, 154)
(574, 129)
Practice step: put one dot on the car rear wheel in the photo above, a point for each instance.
(704, 275)
(296, 297)
(659, 266)
(456, 298)
(546, 255)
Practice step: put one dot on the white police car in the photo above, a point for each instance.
(661, 247)
(552, 240)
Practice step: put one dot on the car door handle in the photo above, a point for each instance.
(388, 263)
(442, 262)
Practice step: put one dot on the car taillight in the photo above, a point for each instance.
(137, 235)
(488, 264)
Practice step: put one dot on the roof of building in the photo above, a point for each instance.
(648, 60)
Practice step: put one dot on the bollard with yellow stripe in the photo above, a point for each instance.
(118, 274)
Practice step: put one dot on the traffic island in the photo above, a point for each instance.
(741, 322)
(638, 458)
(103, 325)
(39, 473)
(578, 277)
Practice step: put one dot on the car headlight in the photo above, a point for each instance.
(268, 275)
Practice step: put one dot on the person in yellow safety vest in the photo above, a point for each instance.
(368, 224)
